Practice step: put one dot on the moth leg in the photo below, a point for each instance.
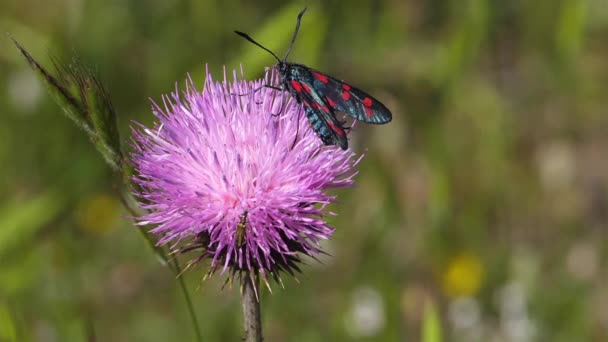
(271, 87)
(282, 107)
(257, 89)
(249, 93)
(346, 128)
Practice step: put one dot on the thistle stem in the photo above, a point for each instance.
(251, 309)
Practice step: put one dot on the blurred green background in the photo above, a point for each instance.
(487, 195)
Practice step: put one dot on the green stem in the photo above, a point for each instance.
(182, 285)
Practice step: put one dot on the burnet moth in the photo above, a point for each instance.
(323, 95)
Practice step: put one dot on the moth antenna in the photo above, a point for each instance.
(295, 34)
(246, 36)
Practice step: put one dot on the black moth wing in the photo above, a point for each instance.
(347, 99)
(327, 128)
(321, 117)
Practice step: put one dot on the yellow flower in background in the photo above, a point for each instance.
(98, 214)
(462, 276)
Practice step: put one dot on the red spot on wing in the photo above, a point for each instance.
(320, 77)
(317, 106)
(306, 87)
(369, 112)
(345, 86)
(335, 129)
(367, 102)
(346, 95)
(297, 86)
(331, 102)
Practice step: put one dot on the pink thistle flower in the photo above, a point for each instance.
(221, 172)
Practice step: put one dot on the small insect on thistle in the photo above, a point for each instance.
(240, 230)
(323, 95)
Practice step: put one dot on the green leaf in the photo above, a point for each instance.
(8, 331)
(104, 121)
(20, 221)
(20, 271)
(63, 95)
(431, 327)
(85, 101)
(464, 42)
(571, 27)
(98, 109)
